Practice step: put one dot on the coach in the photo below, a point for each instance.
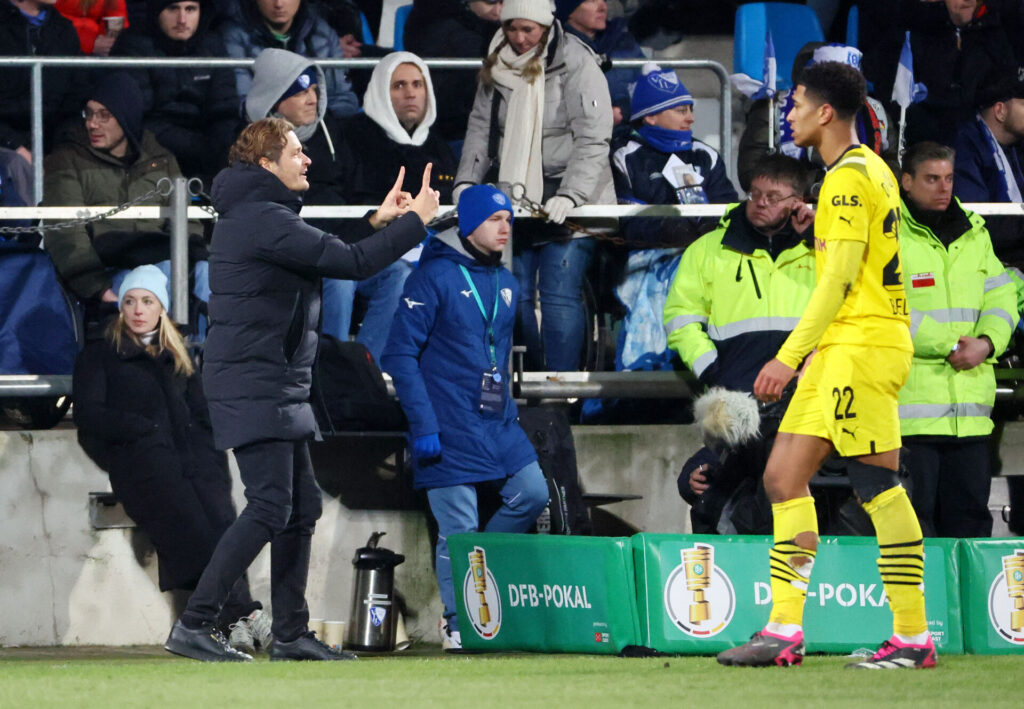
(265, 270)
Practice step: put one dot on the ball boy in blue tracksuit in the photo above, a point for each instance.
(448, 353)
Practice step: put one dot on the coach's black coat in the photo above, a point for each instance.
(149, 429)
(265, 270)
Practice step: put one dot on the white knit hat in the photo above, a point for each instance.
(539, 11)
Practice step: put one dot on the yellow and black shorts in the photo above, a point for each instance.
(848, 395)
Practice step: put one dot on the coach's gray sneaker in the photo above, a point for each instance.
(206, 644)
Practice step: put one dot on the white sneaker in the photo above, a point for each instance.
(251, 632)
(451, 640)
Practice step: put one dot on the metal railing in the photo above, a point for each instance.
(37, 64)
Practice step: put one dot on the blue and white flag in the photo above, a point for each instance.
(765, 88)
(770, 69)
(905, 91)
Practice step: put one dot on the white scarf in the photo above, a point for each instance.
(520, 159)
(1002, 163)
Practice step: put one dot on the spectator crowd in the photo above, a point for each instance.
(552, 120)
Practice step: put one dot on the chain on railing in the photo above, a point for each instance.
(518, 195)
(163, 188)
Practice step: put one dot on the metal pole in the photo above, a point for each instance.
(179, 251)
(37, 133)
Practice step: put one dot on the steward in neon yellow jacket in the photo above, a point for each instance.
(735, 297)
(954, 289)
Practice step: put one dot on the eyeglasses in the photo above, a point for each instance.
(101, 116)
(773, 198)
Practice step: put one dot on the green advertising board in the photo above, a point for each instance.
(544, 594)
(993, 595)
(706, 593)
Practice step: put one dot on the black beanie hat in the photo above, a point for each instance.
(119, 93)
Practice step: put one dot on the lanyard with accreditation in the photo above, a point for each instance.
(492, 391)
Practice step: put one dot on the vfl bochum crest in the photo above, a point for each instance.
(506, 295)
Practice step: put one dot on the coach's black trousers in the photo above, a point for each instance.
(283, 505)
(950, 482)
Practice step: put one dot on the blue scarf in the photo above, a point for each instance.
(35, 20)
(666, 140)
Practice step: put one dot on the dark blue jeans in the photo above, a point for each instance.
(557, 269)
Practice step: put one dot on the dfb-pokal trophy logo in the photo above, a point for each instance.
(1006, 599)
(481, 597)
(699, 597)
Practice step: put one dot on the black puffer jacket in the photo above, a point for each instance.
(150, 430)
(265, 270)
(193, 112)
(62, 94)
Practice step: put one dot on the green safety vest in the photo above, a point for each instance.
(720, 293)
(962, 290)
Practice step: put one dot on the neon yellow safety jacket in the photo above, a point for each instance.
(954, 291)
(732, 305)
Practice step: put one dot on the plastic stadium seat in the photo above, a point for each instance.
(367, 34)
(852, 26)
(792, 27)
(401, 15)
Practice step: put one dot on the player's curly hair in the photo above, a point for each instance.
(837, 84)
(265, 138)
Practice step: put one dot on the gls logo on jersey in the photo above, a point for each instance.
(842, 200)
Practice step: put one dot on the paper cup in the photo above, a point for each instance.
(317, 626)
(334, 633)
(114, 25)
(402, 641)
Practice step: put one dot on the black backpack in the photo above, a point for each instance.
(349, 392)
(551, 436)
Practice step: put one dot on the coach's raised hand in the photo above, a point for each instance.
(428, 200)
(395, 204)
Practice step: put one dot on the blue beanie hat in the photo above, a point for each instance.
(148, 278)
(302, 82)
(657, 91)
(564, 8)
(477, 204)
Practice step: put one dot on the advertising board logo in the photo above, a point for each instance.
(1006, 599)
(480, 594)
(699, 597)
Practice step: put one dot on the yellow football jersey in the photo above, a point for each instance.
(860, 200)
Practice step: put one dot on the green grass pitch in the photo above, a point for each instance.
(148, 677)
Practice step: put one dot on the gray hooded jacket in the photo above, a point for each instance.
(275, 70)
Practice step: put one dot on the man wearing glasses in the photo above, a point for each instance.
(106, 158)
(738, 292)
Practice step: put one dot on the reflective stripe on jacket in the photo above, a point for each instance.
(731, 305)
(954, 291)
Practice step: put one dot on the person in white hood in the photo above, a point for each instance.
(394, 131)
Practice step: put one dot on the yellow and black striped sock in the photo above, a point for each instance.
(791, 563)
(901, 562)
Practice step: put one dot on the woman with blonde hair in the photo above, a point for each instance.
(142, 417)
(542, 118)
